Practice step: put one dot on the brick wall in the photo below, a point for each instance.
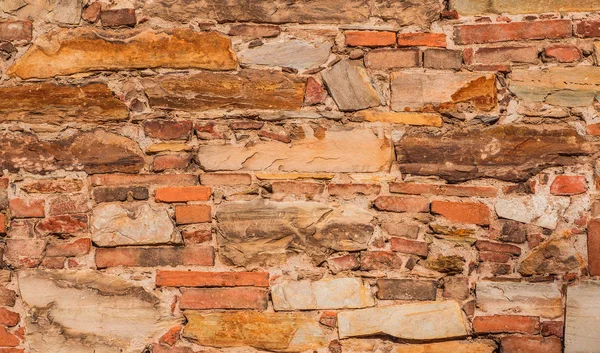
(299, 176)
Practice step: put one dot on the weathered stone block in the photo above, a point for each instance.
(339, 293)
(351, 87)
(532, 299)
(297, 54)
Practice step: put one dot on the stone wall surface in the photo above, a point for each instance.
(315, 176)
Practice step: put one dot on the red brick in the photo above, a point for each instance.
(516, 344)
(485, 245)
(225, 298)
(490, 256)
(504, 55)
(381, 59)
(3, 221)
(143, 179)
(594, 129)
(402, 204)
(589, 28)
(328, 318)
(506, 324)
(7, 339)
(182, 194)
(370, 38)
(443, 190)
(9, 318)
(16, 30)
(563, 53)
(297, 188)
(442, 59)
(462, 212)
(66, 224)
(171, 161)
(168, 129)
(315, 93)
(410, 246)
(157, 256)
(172, 336)
(502, 32)
(21, 208)
(422, 40)
(593, 245)
(343, 263)
(225, 179)
(568, 185)
(350, 191)
(117, 18)
(211, 279)
(77, 247)
(380, 260)
(189, 214)
(553, 328)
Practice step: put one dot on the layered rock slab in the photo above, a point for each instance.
(88, 312)
(339, 293)
(69, 51)
(55, 11)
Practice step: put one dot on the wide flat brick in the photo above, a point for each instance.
(168, 129)
(593, 245)
(349, 191)
(462, 212)
(421, 39)
(380, 260)
(16, 30)
(370, 38)
(113, 194)
(491, 256)
(590, 28)
(382, 59)
(402, 204)
(118, 17)
(506, 55)
(143, 179)
(563, 53)
(158, 256)
(3, 221)
(442, 59)
(566, 185)
(77, 247)
(506, 324)
(485, 245)
(443, 190)
(211, 279)
(503, 32)
(225, 298)
(9, 318)
(182, 194)
(189, 214)
(516, 344)
(406, 289)
(171, 161)
(409, 246)
(63, 224)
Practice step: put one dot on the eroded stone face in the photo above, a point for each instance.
(69, 51)
(423, 321)
(555, 256)
(297, 54)
(115, 224)
(340, 293)
(87, 312)
(583, 314)
(280, 332)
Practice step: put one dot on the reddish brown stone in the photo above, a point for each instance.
(160, 348)
(567, 185)
(16, 30)
(444, 190)
(182, 194)
(22, 208)
(68, 205)
(593, 245)
(442, 59)
(211, 279)
(189, 214)
(3, 222)
(9, 318)
(506, 324)
(117, 18)
(55, 263)
(506, 55)
(590, 28)
(225, 179)
(406, 289)
(8, 297)
(65, 224)
(594, 129)
(563, 53)
(171, 161)
(512, 231)
(409, 246)
(402, 204)
(501, 32)
(152, 257)
(370, 38)
(553, 328)
(168, 129)
(197, 236)
(485, 245)
(422, 40)
(274, 136)
(490, 256)
(112, 194)
(380, 260)
(249, 124)
(24, 253)
(343, 263)
(516, 344)
(315, 93)
(462, 212)
(91, 13)
(225, 298)
(254, 30)
(77, 247)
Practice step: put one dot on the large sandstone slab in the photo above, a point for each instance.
(558, 255)
(540, 210)
(297, 54)
(510, 153)
(443, 91)
(249, 89)
(95, 151)
(480, 7)
(56, 11)
(582, 318)
(339, 293)
(69, 51)
(422, 321)
(263, 232)
(518, 298)
(351, 87)
(115, 224)
(53, 104)
(87, 312)
(411, 12)
(477, 346)
(561, 86)
(357, 150)
(280, 332)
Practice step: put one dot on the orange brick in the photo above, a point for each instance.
(172, 336)
(189, 214)
(370, 38)
(502, 32)
(225, 298)
(78, 247)
(566, 185)
(491, 256)
(171, 161)
(221, 179)
(211, 279)
(380, 260)
(182, 194)
(485, 245)
(21, 208)
(506, 324)
(516, 344)
(422, 40)
(462, 212)
(9, 318)
(402, 204)
(563, 53)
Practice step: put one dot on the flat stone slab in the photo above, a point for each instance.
(583, 318)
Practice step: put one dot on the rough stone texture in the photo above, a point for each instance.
(444, 321)
(479, 7)
(481, 346)
(66, 52)
(296, 54)
(382, 59)
(342, 293)
(115, 225)
(350, 87)
(511, 153)
(534, 299)
(443, 91)
(57, 11)
(49, 103)
(332, 152)
(250, 89)
(582, 314)
(270, 331)
(556, 255)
